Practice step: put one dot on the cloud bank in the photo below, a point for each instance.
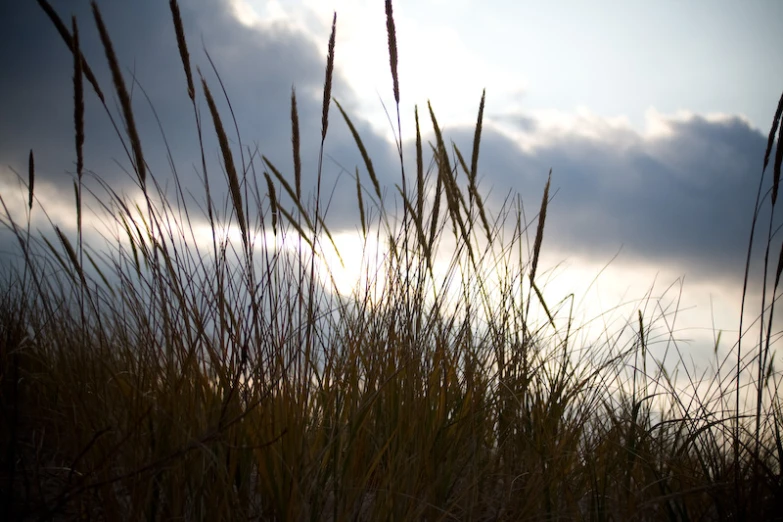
(680, 195)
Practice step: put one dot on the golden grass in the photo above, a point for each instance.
(166, 381)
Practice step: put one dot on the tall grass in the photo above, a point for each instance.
(157, 379)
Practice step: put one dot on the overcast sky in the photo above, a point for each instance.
(653, 116)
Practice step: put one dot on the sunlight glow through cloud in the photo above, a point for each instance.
(641, 114)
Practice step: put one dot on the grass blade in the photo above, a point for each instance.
(68, 39)
(772, 131)
(540, 228)
(362, 151)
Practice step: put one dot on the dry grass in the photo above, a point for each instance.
(156, 379)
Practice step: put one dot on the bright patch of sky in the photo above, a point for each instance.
(614, 59)
(591, 69)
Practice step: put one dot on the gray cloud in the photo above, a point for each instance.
(683, 199)
(258, 67)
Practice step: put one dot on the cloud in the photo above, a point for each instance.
(679, 195)
(257, 64)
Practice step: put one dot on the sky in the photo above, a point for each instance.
(652, 116)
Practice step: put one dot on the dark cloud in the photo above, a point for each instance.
(257, 65)
(681, 200)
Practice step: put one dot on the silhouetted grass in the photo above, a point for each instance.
(158, 379)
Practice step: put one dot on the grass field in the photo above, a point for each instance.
(159, 377)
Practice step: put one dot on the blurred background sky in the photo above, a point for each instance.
(653, 117)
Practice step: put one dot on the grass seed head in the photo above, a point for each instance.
(392, 35)
(540, 228)
(30, 179)
(182, 45)
(78, 100)
(228, 159)
(295, 142)
(122, 94)
(328, 80)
